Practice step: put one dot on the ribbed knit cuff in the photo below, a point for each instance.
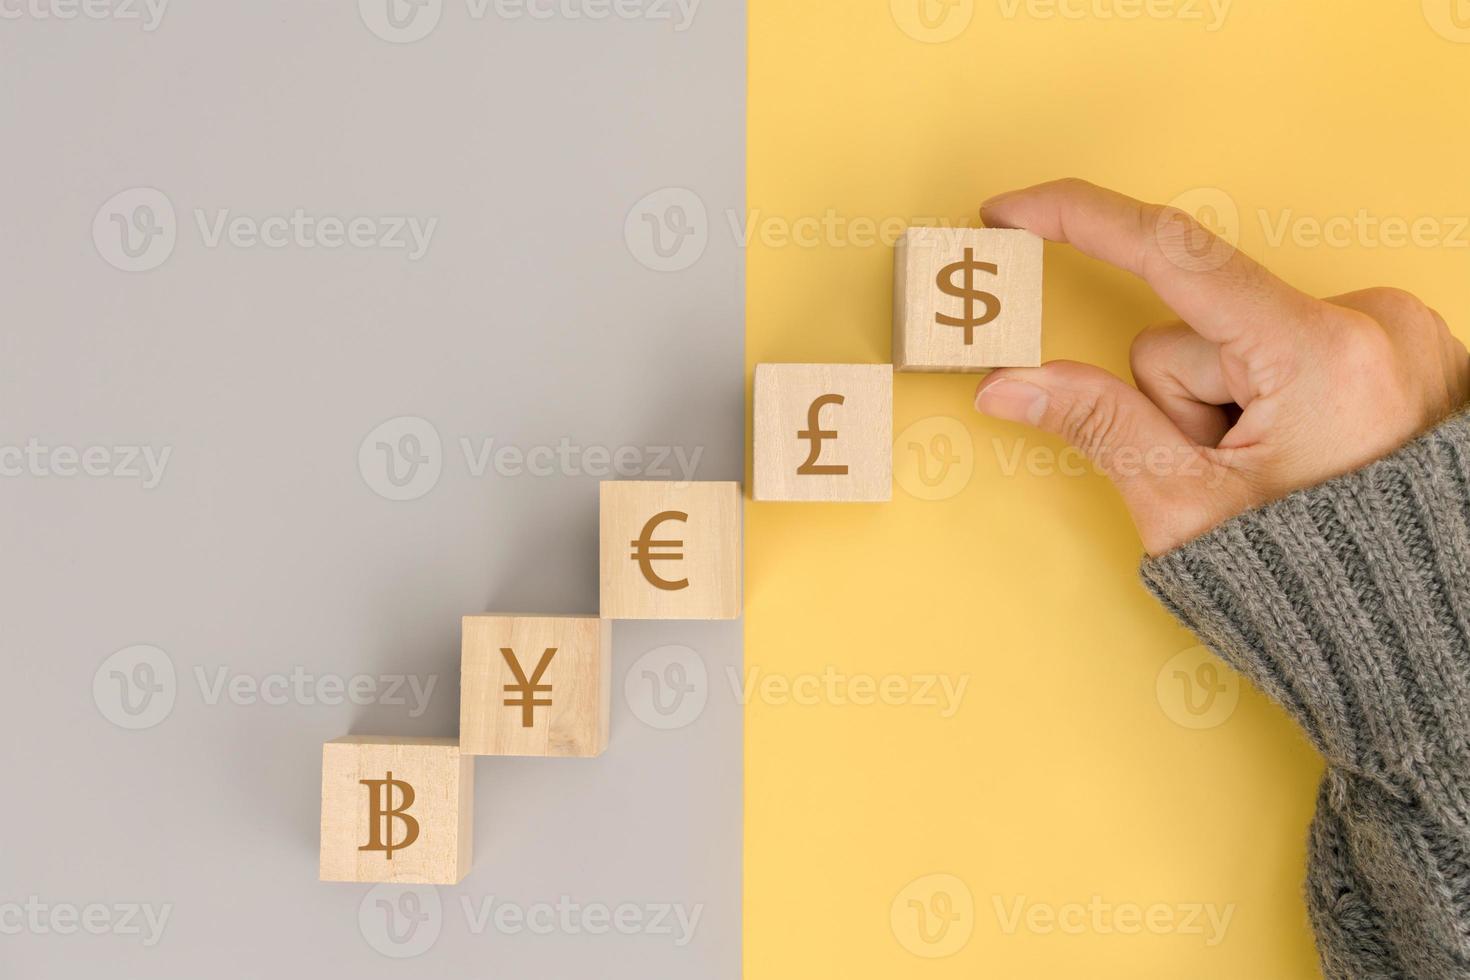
(1349, 603)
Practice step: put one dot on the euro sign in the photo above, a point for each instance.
(528, 688)
(645, 555)
(381, 813)
(816, 435)
(967, 292)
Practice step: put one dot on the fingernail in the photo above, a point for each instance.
(1014, 401)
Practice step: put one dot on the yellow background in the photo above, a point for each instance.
(1062, 777)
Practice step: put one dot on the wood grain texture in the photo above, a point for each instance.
(442, 808)
(697, 522)
(578, 675)
(923, 260)
(797, 409)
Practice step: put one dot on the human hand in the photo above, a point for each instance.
(1258, 390)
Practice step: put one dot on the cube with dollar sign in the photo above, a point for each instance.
(967, 299)
(397, 810)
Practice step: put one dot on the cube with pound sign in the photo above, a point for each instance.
(670, 550)
(966, 299)
(535, 685)
(824, 432)
(396, 809)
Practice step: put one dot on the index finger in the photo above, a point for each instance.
(1221, 292)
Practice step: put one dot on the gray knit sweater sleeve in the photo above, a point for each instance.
(1349, 604)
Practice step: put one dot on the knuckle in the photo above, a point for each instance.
(1166, 224)
(1455, 351)
(1392, 296)
(1167, 215)
(1150, 346)
(1094, 424)
(1179, 237)
(1397, 307)
(1074, 184)
(1178, 222)
(1362, 348)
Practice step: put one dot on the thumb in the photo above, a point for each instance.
(1125, 435)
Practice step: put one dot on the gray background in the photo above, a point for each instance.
(266, 547)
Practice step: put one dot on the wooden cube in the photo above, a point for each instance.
(670, 550)
(967, 299)
(824, 432)
(535, 685)
(396, 809)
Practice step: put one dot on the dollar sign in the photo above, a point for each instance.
(946, 283)
(381, 812)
